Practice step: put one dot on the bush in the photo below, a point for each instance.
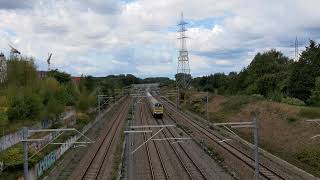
(24, 105)
(3, 118)
(217, 117)
(83, 118)
(310, 113)
(293, 101)
(292, 119)
(235, 103)
(277, 97)
(13, 157)
(310, 155)
(258, 96)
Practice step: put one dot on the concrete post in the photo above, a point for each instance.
(25, 153)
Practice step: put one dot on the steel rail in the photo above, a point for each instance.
(116, 123)
(227, 146)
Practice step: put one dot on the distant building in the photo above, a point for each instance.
(42, 74)
(3, 68)
(76, 80)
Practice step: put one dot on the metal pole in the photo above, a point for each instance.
(25, 153)
(98, 106)
(256, 148)
(178, 97)
(207, 105)
(132, 108)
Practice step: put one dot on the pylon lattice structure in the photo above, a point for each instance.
(296, 49)
(183, 72)
(3, 68)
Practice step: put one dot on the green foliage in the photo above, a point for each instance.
(292, 119)
(304, 72)
(62, 77)
(183, 80)
(311, 113)
(210, 83)
(83, 118)
(13, 157)
(310, 155)
(315, 94)
(3, 118)
(293, 101)
(276, 96)
(218, 116)
(86, 101)
(24, 105)
(266, 75)
(235, 103)
(21, 72)
(54, 108)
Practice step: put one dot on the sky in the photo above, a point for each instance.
(103, 37)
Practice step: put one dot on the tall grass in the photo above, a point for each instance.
(310, 113)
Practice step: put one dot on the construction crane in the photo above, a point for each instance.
(13, 52)
(48, 60)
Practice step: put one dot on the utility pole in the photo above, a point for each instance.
(25, 153)
(177, 98)
(256, 147)
(207, 106)
(249, 124)
(25, 141)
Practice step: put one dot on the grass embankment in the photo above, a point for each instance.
(283, 129)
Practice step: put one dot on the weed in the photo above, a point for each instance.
(310, 155)
(235, 103)
(218, 116)
(310, 113)
(293, 101)
(292, 119)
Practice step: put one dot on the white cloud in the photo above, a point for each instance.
(102, 37)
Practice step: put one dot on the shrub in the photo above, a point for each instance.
(3, 118)
(293, 101)
(235, 103)
(24, 105)
(217, 116)
(258, 96)
(277, 97)
(13, 157)
(310, 113)
(310, 155)
(292, 119)
(83, 118)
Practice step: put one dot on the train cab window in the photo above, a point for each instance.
(158, 105)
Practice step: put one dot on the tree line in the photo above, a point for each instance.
(272, 75)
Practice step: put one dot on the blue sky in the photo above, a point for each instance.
(102, 37)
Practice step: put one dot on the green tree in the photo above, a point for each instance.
(24, 105)
(22, 72)
(62, 77)
(304, 72)
(54, 109)
(315, 94)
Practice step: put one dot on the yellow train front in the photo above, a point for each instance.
(155, 106)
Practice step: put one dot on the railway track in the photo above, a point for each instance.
(159, 171)
(243, 157)
(189, 165)
(92, 166)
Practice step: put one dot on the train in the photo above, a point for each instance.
(155, 106)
